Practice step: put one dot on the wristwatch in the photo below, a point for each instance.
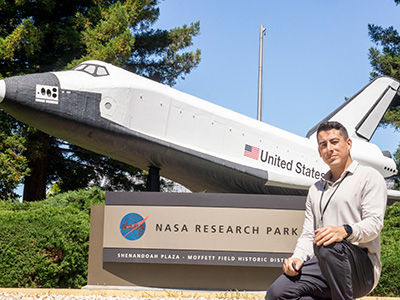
(348, 229)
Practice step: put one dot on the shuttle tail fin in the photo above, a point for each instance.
(362, 113)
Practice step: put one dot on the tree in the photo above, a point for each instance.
(385, 60)
(47, 35)
(13, 164)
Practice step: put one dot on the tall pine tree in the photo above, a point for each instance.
(385, 60)
(47, 35)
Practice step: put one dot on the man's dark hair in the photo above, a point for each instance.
(333, 125)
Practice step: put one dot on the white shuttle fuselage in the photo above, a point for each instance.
(203, 146)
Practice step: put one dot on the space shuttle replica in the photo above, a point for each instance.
(205, 147)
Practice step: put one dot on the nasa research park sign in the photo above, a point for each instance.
(201, 229)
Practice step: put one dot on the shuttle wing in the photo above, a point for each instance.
(393, 195)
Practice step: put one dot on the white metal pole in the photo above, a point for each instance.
(260, 60)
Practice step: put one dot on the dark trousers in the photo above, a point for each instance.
(338, 271)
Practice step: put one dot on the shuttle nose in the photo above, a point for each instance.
(2, 90)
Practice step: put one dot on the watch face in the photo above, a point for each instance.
(348, 229)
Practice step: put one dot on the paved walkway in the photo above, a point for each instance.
(48, 294)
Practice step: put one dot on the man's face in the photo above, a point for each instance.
(333, 148)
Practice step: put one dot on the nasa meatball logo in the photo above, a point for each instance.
(133, 226)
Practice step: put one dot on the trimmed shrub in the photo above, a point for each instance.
(389, 283)
(45, 244)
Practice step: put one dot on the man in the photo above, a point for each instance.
(337, 255)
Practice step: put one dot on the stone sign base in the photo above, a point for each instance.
(171, 276)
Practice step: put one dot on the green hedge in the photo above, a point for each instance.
(389, 283)
(45, 244)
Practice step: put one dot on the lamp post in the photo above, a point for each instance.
(260, 60)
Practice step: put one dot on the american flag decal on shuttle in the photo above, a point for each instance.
(251, 151)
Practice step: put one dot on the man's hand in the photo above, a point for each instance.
(292, 266)
(329, 234)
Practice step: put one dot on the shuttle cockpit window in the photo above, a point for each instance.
(92, 69)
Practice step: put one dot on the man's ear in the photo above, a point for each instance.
(349, 143)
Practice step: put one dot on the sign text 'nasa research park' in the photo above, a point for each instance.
(211, 229)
